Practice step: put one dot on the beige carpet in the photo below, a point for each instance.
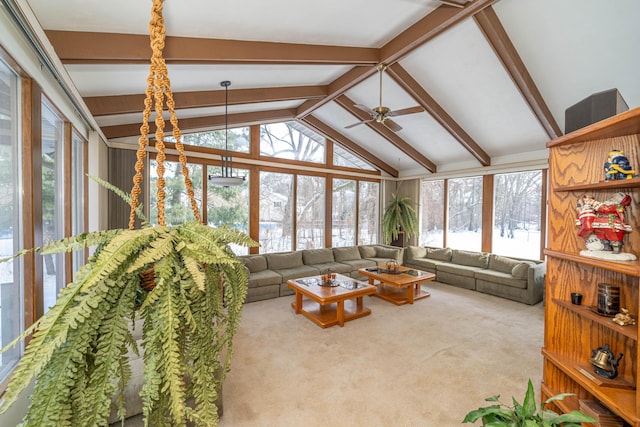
(426, 364)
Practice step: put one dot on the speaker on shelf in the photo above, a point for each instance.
(594, 108)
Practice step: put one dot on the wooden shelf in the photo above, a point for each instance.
(631, 268)
(627, 123)
(621, 401)
(629, 331)
(601, 185)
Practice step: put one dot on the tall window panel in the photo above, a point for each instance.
(11, 278)
(52, 200)
(78, 196)
(432, 213)
(291, 141)
(344, 212)
(177, 208)
(368, 212)
(464, 226)
(276, 212)
(310, 212)
(516, 224)
(237, 139)
(229, 205)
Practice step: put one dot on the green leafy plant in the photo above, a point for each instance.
(399, 215)
(525, 414)
(78, 353)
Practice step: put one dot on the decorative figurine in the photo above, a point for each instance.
(617, 166)
(603, 362)
(624, 318)
(606, 221)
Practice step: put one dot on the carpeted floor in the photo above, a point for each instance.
(426, 364)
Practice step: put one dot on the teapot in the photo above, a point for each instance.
(604, 363)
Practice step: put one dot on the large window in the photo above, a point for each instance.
(276, 212)
(368, 212)
(344, 212)
(177, 206)
(310, 212)
(432, 213)
(77, 194)
(11, 279)
(53, 271)
(238, 139)
(291, 141)
(464, 226)
(516, 225)
(342, 157)
(229, 205)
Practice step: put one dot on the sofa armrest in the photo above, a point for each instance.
(535, 282)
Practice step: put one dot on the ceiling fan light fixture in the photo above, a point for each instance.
(226, 178)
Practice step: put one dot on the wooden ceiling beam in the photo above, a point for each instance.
(386, 133)
(413, 88)
(78, 47)
(125, 104)
(337, 88)
(199, 124)
(330, 133)
(433, 24)
(499, 40)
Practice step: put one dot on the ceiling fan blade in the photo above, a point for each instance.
(363, 108)
(392, 125)
(404, 111)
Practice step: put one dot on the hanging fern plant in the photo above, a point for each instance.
(78, 353)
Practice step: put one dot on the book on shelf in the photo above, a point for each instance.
(603, 416)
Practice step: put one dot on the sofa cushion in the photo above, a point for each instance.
(254, 263)
(472, 259)
(346, 253)
(280, 261)
(425, 263)
(264, 278)
(334, 267)
(357, 264)
(388, 253)
(521, 270)
(441, 254)
(502, 264)
(414, 252)
(317, 256)
(504, 279)
(367, 251)
(297, 272)
(460, 270)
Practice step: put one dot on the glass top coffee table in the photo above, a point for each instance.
(332, 303)
(403, 286)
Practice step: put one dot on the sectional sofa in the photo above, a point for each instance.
(515, 279)
(269, 273)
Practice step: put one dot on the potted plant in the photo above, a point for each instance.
(184, 283)
(399, 216)
(525, 414)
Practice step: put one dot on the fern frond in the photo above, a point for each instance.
(157, 249)
(194, 268)
(123, 195)
(78, 242)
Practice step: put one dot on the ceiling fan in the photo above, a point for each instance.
(381, 113)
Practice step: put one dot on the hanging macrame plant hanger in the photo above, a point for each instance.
(159, 89)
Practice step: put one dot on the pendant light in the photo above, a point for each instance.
(226, 179)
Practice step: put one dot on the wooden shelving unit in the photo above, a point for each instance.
(572, 332)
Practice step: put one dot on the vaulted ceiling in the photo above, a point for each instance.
(492, 78)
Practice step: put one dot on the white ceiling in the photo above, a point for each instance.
(570, 48)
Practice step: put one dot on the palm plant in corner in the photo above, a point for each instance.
(183, 281)
(399, 215)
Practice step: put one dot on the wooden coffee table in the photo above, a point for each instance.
(330, 305)
(402, 288)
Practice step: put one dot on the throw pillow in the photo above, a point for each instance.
(367, 251)
(346, 253)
